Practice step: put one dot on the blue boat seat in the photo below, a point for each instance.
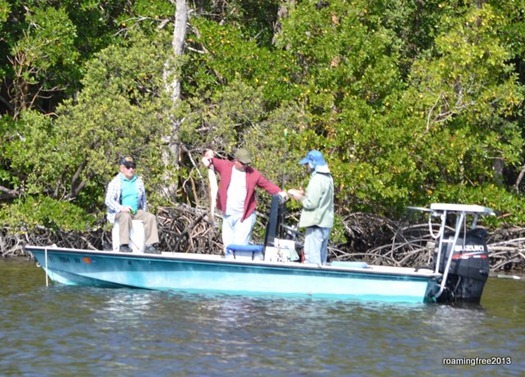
(250, 252)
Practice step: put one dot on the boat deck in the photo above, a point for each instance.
(244, 260)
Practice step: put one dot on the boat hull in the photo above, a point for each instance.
(215, 274)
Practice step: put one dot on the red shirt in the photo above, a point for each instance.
(254, 178)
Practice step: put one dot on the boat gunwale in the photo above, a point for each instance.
(377, 270)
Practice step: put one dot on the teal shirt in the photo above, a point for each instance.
(114, 194)
(130, 193)
(318, 202)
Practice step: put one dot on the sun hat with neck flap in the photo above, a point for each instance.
(316, 161)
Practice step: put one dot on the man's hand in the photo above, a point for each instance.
(206, 159)
(296, 194)
(283, 197)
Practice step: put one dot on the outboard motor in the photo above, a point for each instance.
(469, 267)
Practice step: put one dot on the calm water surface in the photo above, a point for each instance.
(75, 331)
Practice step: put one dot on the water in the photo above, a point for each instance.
(76, 331)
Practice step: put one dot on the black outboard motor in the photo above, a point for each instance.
(469, 267)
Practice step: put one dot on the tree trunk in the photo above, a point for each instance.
(518, 181)
(172, 80)
(177, 43)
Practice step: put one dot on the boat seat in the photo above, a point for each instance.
(245, 252)
(136, 236)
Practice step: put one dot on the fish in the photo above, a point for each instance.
(214, 188)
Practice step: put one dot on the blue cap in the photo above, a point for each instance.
(315, 158)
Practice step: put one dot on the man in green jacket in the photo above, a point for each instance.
(317, 215)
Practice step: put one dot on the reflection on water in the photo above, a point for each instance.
(64, 331)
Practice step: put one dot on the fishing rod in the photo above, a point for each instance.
(283, 184)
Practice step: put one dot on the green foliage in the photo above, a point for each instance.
(43, 57)
(231, 56)
(411, 102)
(31, 153)
(462, 98)
(508, 206)
(512, 31)
(49, 39)
(255, 19)
(272, 144)
(4, 13)
(7, 127)
(391, 144)
(230, 112)
(4, 10)
(123, 110)
(33, 211)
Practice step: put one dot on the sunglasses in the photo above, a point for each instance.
(129, 166)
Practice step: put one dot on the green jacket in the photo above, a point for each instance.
(318, 202)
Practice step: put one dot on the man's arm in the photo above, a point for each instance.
(271, 188)
(112, 196)
(143, 200)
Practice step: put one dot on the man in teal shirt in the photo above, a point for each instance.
(317, 215)
(126, 201)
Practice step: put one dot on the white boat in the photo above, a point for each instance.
(257, 270)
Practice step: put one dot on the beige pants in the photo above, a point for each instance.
(124, 219)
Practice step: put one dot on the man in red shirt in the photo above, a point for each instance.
(236, 194)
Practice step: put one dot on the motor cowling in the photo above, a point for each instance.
(469, 267)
